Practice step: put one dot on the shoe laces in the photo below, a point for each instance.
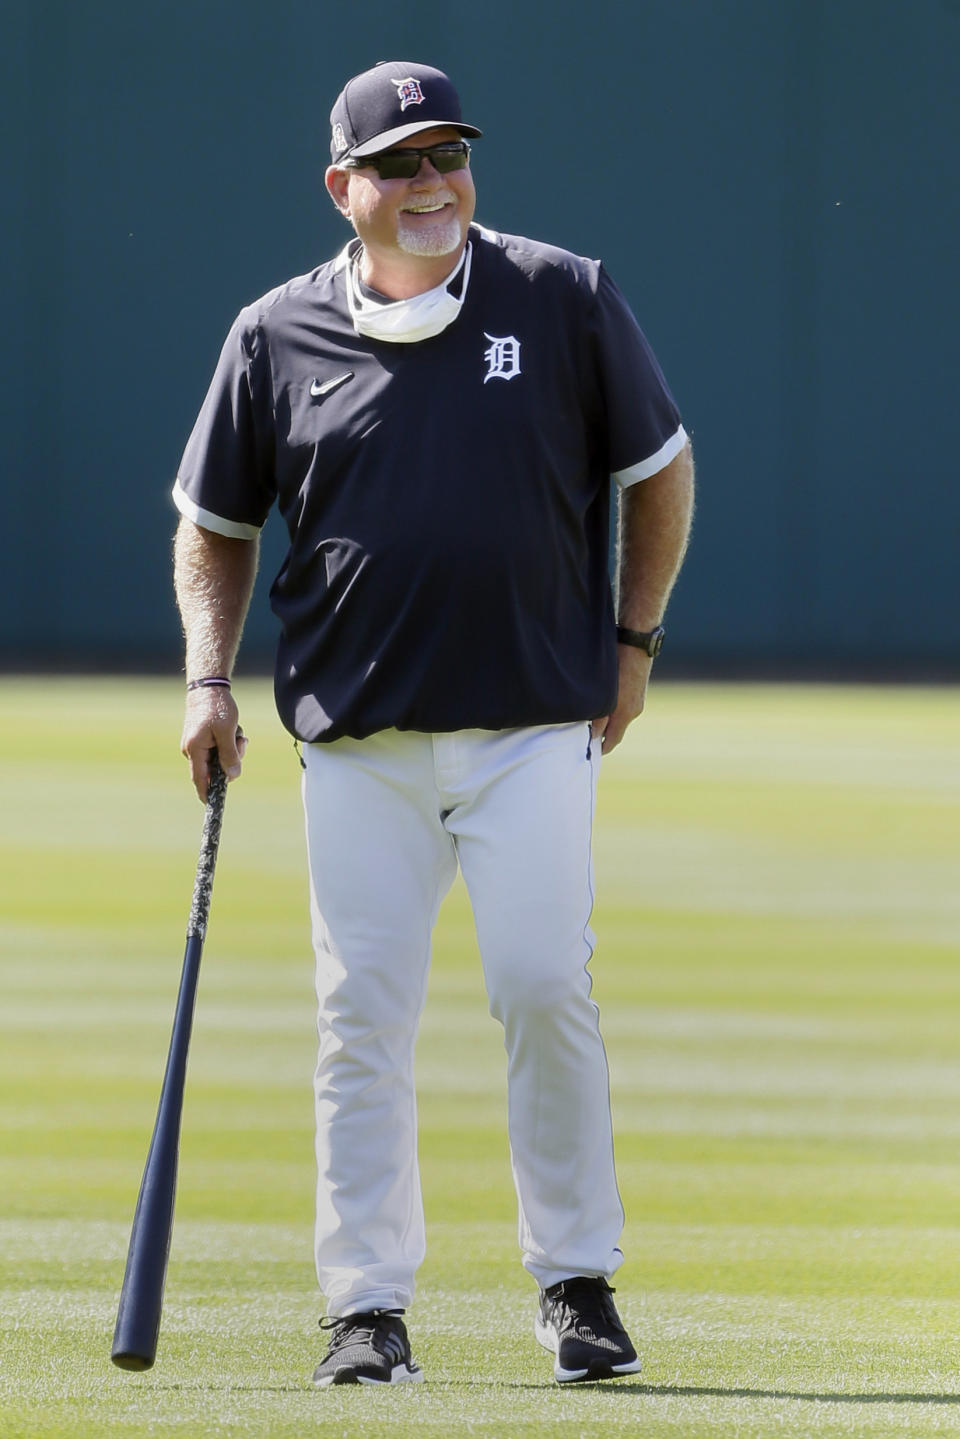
(356, 1328)
(584, 1303)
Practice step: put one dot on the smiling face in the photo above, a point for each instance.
(413, 231)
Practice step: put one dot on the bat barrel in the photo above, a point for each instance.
(141, 1296)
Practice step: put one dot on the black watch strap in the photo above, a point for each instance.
(651, 641)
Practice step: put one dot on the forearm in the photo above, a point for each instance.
(213, 579)
(655, 517)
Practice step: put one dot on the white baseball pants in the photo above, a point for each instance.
(388, 818)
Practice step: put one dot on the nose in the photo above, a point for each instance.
(427, 171)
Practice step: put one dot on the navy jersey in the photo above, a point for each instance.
(447, 501)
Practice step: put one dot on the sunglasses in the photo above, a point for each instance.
(404, 164)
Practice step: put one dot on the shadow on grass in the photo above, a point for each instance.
(623, 1390)
(169, 1388)
(693, 1391)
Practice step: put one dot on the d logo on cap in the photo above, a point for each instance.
(409, 92)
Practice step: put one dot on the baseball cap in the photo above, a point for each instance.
(395, 99)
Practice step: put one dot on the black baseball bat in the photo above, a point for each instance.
(141, 1298)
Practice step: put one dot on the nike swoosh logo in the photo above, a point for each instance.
(317, 389)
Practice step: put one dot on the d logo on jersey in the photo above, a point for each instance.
(409, 92)
(503, 357)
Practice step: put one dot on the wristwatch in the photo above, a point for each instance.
(650, 641)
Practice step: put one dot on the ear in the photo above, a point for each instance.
(337, 182)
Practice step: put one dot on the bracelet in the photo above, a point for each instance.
(209, 682)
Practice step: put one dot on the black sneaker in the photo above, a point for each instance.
(370, 1348)
(579, 1323)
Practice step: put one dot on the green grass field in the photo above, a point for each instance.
(779, 984)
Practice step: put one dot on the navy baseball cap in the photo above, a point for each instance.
(392, 101)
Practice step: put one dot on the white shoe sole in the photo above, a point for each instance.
(547, 1336)
(400, 1375)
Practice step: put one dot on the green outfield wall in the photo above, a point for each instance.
(772, 182)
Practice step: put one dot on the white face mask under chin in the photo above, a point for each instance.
(406, 321)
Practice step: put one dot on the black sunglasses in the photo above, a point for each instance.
(404, 164)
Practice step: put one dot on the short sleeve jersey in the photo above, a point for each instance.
(446, 501)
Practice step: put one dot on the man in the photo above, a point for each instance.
(438, 412)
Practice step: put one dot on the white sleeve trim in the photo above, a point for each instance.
(645, 468)
(207, 520)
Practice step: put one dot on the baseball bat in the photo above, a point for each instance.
(141, 1297)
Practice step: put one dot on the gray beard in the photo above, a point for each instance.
(440, 239)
